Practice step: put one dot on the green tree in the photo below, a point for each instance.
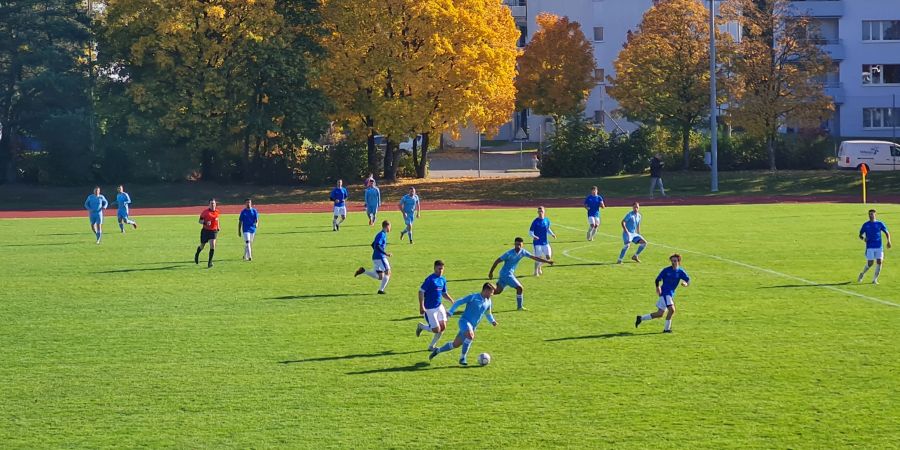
(44, 79)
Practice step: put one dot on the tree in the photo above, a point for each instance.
(406, 67)
(778, 72)
(662, 73)
(218, 75)
(43, 77)
(556, 70)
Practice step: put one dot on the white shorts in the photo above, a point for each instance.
(874, 253)
(248, 236)
(665, 301)
(435, 316)
(340, 210)
(381, 265)
(543, 251)
(593, 220)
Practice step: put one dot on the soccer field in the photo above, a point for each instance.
(129, 344)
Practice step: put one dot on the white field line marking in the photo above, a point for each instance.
(746, 266)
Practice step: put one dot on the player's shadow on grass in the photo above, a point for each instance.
(62, 234)
(559, 266)
(781, 286)
(356, 356)
(148, 269)
(421, 365)
(310, 296)
(598, 336)
(39, 245)
(300, 232)
(346, 246)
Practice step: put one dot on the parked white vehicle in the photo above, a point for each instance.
(875, 155)
(407, 145)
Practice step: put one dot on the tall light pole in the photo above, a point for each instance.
(713, 107)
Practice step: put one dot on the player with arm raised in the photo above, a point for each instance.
(510, 260)
(477, 305)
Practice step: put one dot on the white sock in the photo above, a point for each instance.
(371, 273)
(423, 326)
(384, 282)
(865, 269)
(590, 231)
(668, 324)
(537, 266)
(437, 337)
(646, 317)
(334, 222)
(877, 271)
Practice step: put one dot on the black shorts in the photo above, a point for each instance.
(207, 235)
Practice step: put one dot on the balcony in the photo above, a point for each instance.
(834, 48)
(835, 90)
(819, 8)
(518, 8)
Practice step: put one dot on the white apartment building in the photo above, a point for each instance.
(861, 36)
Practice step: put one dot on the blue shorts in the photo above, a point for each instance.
(635, 238)
(464, 327)
(409, 219)
(122, 215)
(371, 210)
(96, 218)
(508, 280)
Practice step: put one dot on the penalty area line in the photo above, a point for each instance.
(747, 266)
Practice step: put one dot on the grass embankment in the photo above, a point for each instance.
(679, 184)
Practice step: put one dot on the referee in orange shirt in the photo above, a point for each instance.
(210, 220)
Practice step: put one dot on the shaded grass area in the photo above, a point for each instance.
(128, 344)
(679, 184)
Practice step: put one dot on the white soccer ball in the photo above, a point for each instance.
(484, 359)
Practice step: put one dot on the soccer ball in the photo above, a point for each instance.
(484, 359)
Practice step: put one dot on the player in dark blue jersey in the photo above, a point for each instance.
(431, 306)
(593, 203)
(339, 197)
(247, 223)
(871, 233)
(382, 268)
(670, 277)
(540, 228)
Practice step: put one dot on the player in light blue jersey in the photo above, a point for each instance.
(593, 203)
(431, 306)
(871, 233)
(123, 202)
(373, 201)
(670, 277)
(510, 261)
(247, 223)
(477, 306)
(540, 228)
(339, 197)
(381, 267)
(409, 206)
(95, 204)
(631, 233)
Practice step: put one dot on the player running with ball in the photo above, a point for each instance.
(670, 278)
(477, 306)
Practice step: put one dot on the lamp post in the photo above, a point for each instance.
(479, 154)
(713, 110)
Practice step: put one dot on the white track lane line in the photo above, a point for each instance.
(741, 264)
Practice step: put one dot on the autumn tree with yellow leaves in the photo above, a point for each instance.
(777, 76)
(405, 67)
(662, 73)
(556, 69)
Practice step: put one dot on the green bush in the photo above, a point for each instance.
(323, 165)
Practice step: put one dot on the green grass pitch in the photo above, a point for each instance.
(129, 344)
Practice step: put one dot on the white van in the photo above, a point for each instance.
(876, 155)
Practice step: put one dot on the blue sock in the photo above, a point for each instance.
(446, 347)
(465, 348)
(622, 253)
(640, 249)
(97, 233)
(410, 235)
(520, 299)
(122, 226)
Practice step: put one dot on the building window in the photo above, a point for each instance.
(523, 35)
(881, 118)
(598, 34)
(600, 75)
(881, 73)
(881, 30)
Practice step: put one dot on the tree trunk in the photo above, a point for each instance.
(686, 146)
(422, 164)
(206, 165)
(371, 151)
(770, 147)
(7, 140)
(390, 168)
(8, 150)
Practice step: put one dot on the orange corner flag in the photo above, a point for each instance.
(864, 169)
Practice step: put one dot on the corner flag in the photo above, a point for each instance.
(865, 171)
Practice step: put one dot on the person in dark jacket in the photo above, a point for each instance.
(656, 175)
